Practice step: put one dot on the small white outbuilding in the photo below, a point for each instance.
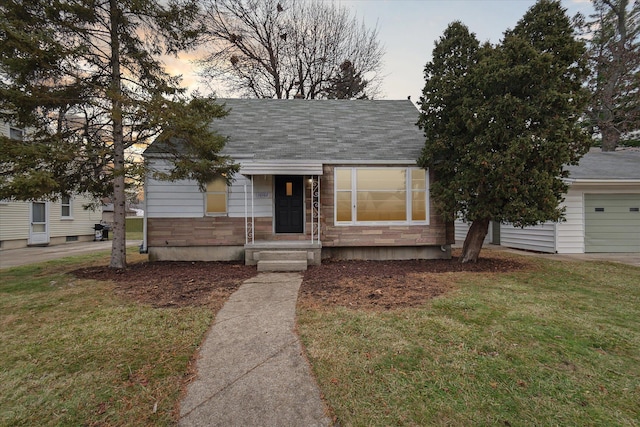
(602, 209)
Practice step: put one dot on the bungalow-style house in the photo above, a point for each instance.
(602, 210)
(42, 222)
(318, 179)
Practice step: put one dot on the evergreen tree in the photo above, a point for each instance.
(347, 83)
(83, 77)
(502, 121)
(613, 41)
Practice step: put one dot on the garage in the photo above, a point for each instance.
(612, 222)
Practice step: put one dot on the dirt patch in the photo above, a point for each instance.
(383, 285)
(377, 285)
(174, 284)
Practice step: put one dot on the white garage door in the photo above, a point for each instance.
(612, 222)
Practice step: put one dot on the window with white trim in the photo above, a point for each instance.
(379, 196)
(65, 203)
(216, 197)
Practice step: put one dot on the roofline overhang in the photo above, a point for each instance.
(280, 168)
(602, 181)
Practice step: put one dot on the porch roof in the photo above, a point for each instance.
(280, 168)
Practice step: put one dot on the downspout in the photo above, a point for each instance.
(143, 247)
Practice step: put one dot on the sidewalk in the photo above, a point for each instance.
(251, 370)
(34, 254)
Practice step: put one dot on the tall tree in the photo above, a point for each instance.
(83, 77)
(346, 83)
(286, 48)
(613, 40)
(502, 121)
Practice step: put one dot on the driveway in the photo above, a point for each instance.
(34, 254)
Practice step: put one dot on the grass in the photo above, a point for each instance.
(559, 345)
(73, 353)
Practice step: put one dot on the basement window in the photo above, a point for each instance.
(599, 209)
(72, 238)
(634, 209)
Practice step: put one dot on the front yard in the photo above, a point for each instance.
(518, 341)
(556, 343)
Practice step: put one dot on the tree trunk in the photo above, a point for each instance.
(118, 248)
(610, 137)
(473, 242)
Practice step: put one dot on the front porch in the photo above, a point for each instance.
(292, 240)
(282, 255)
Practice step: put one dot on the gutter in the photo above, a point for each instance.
(602, 181)
(143, 247)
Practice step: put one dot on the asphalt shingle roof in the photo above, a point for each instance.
(615, 165)
(320, 130)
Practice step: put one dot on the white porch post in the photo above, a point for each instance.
(246, 214)
(253, 214)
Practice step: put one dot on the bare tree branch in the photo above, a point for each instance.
(286, 48)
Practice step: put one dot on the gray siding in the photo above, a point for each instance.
(540, 238)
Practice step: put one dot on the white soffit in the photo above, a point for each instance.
(276, 168)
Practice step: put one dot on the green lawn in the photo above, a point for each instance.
(73, 353)
(556, 345)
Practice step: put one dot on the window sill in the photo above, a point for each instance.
(380, 223)
(66, 218)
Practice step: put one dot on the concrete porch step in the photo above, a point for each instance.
(282, 261)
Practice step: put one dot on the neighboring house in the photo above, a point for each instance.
(332, 178)
(602, 209)
(42, 222)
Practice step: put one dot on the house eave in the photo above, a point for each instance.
(280, 168)
(574, 181)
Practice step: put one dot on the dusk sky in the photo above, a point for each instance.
(408, 30)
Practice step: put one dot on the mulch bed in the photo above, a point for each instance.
(376, 285)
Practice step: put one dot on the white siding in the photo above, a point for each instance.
(568, 236)
(539, 238)
(4, 128)
(183, 199)
(178, 199)
(570, 233)
(80, 223)
(14, 220)
(462, 228)
(262, 193)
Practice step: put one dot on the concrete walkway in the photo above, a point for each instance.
(34, 254)
(251, 370)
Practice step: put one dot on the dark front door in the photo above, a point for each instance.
(289, 198)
